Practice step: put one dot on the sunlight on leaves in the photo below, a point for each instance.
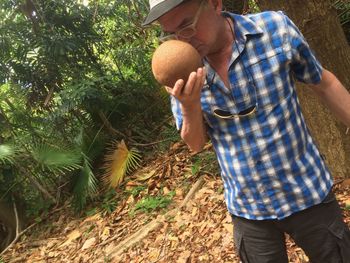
(7, 153)
(118, 162)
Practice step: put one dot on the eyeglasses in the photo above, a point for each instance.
(186, 32)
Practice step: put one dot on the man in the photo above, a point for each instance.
(244, 98)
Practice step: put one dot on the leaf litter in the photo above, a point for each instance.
(199, 231)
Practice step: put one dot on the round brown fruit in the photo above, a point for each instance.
(173, 60)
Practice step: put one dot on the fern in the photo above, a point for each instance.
(118, 162)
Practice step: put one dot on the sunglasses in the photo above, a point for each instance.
(223, 114)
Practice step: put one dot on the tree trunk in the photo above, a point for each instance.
(319, 23)
(235, 6)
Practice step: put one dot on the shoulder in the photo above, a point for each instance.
(270, 20)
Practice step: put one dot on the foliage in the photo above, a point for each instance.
(135, 191)
(56, 159)
(204, 161)
(118, 162)
(253, 7)
(152, 203)
(72, 78)
(7, 153)
(343, 10)
(109, 202)
(86, 185)
(168, 135)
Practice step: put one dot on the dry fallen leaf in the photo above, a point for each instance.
(146, 176)
(184, 256)
(346, 183)
(105, 233)
(228, 227)
(88, 243)
(75, 234)
(92, 218)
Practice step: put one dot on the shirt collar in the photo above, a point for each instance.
(243, 27)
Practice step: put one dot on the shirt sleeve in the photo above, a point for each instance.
(176, 109)
(305, 66)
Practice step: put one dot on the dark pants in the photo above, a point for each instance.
(319, 231)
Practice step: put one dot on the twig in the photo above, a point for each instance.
(16, 216)
(25, 230)
(339, 181)
(17, 237)
(109, 126)
(193, 190)
(150, 144)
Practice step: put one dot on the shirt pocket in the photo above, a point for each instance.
(270, 72)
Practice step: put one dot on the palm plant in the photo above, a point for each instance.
(118, 162)
(7, 153)
(63, 65)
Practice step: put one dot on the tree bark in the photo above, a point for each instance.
(318, 21)
(235, 6)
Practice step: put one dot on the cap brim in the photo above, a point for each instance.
(159, 10)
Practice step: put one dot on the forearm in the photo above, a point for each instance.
(193, 130)
(335, 96)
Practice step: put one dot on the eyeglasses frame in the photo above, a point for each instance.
(176, 35)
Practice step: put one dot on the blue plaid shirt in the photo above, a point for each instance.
(270, 165)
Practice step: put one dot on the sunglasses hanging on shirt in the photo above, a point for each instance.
(248, 111)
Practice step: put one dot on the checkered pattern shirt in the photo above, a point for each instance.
(270, 165)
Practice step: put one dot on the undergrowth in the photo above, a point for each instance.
(150, 204)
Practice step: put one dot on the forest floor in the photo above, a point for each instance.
(194, 227)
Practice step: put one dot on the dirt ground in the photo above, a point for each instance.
(195, 227)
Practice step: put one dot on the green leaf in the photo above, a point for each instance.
(57, 159)
(7, 153)
(85, 186)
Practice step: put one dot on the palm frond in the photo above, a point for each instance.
(85, 185)
(7, 153)
(57, 159)
(118, 162)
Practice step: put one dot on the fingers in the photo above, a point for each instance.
(190, 84)
(201, 77)
(195, 81)
(194, 84)
(177, 89)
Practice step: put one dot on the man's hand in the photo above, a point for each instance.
(193, 130)
(189, 94)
